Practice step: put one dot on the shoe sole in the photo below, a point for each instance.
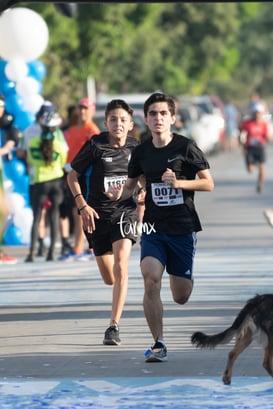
(153, 358)
(110, 342)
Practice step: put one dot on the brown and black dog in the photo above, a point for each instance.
(254, 322)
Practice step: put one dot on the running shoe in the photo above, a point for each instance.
(268, 214)
(5, 259)
(111, 336)
(85, 256)
(67, 257)
(157, 353)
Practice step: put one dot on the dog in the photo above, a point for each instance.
(254, 321)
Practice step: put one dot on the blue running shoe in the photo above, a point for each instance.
(157, 353)
(67, 257)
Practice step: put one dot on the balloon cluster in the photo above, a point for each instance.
(24, 37)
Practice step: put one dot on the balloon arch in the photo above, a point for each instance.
(21, 74)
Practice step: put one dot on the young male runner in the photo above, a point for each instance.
(108, 225)
(173, 167)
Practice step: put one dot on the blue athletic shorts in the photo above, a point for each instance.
(175, 253)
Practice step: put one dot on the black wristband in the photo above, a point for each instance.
(77, 195)
(79, 210)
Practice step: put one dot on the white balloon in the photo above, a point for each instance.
(8, 185)
(16, 69)
(23, 220)
(16, 202)
(23, 34)
(33, 103)
(27, 86)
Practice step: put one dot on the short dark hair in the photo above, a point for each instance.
(160, 97)
(118, 103)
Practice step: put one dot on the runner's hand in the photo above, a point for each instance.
(114, 192)
(89, 215)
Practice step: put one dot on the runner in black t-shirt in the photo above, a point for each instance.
(110, 227)
(170, 164)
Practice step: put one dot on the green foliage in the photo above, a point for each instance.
(181, 48)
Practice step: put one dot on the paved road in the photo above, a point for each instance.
(53, 315)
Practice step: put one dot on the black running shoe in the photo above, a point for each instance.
(111, 336)
(158, 353)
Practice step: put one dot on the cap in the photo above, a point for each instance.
(46, 107)
(86, 103)
(258, 107)
(51, 119)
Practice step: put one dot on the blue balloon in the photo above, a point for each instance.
(3, 64)
(7, 87)
(13, 236)
(37, 69)
(24, 119)
(21, 186)
(14, 103)
(14, 170)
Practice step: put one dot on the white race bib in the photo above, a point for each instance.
(165, 195)
(114, 181)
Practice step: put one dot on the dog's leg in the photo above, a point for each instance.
(242, 342)
(268, 356)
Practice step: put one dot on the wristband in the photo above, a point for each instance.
(77, 195)
(79, 210)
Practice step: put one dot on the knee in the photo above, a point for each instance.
(108, 281)
(151, 285)
(181, 298)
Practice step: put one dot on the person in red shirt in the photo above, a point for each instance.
(76, 137)
(78, 134)
(257, 133)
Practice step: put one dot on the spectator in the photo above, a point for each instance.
(31, 132)
(76, 137)
(9, 138)
(66, 207)
(47, 156)
(232, 117)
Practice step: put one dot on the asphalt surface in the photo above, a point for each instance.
(53, 314)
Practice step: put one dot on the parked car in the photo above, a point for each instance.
(203, 122)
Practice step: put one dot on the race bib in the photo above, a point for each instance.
(114, 181)
(165, 195)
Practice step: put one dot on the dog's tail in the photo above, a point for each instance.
(202, 340)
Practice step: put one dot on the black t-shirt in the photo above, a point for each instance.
(100, 165)
(170, 210)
